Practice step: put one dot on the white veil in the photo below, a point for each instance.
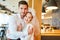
(35, 21)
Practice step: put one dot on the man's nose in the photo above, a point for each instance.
(23, 10)
(26, 19)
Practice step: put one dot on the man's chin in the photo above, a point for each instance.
(22, 17)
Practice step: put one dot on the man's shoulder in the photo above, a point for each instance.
(14, 14)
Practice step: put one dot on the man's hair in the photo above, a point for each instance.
(22, 2)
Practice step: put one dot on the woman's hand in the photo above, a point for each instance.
(30, 30)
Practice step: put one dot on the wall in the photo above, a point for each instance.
(47, 21)
(56, 18)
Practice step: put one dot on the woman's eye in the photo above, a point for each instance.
(21, 8)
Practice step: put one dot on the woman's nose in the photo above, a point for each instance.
(26, 19)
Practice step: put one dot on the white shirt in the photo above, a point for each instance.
(14, 21)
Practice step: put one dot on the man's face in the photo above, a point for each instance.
(23, 10)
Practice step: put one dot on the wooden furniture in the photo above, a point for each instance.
(50, 35)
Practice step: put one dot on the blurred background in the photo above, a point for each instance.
(50, 26)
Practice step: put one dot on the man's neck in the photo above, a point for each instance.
(21, 16)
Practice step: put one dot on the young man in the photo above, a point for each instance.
(17, 20)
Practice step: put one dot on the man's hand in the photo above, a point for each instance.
(19, 28)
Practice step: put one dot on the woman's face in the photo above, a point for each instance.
(28, 18)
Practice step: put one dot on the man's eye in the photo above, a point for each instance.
(21, 8)
(25, 8)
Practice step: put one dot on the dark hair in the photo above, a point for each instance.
(22, 2)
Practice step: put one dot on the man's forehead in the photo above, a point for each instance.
(23, 5)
